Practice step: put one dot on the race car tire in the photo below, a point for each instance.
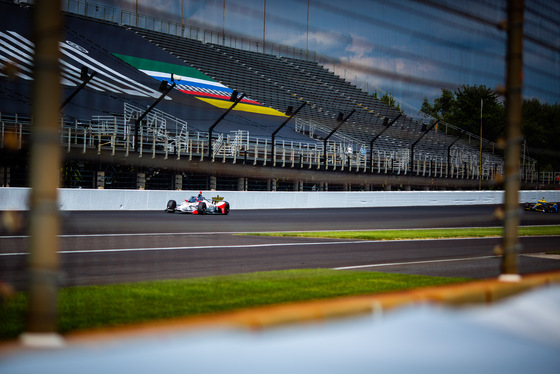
(201, 209)
(171, 205)
(226, 208)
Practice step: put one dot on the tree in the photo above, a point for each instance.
(540, 126)
(541, 131)
(462, 108)
(389, 100)
(443, 106)
(474, 101)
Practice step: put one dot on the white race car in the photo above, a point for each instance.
(199, 205)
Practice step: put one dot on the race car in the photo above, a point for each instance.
(542, 206)
(199, 205)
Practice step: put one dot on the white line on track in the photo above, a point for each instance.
(415, 262)
(239, 246)
(124, 235)
(113, 250)
(247, 232)
(195, 247)
(272, 245)
(219, 233)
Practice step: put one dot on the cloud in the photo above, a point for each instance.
(375, 67)
(164, 9)
(320, 41)
(359, 47)
(363, 54)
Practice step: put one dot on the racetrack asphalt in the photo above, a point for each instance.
(114, 247)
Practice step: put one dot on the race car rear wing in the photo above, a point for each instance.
(217, 199)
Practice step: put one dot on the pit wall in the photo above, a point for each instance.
(14, 198)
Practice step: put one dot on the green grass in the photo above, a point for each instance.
(102, 306)
(478, 232)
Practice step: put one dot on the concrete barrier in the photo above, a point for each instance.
(15, 198)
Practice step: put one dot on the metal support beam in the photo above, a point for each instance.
(87, 79)
(377, 137)
(139, 119)
(416, 142)
(331, 134)
(211, 129)
(451, 145)
(273, 136)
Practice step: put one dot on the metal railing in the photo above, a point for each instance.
(105, 134)
(113, 134)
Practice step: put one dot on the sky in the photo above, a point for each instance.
(408, 48)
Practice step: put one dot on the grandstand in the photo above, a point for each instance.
(116, 136)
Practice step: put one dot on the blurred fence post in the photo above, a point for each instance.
(44, 177)
(514, 83)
